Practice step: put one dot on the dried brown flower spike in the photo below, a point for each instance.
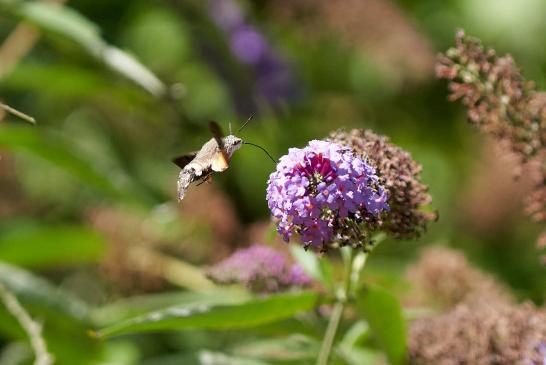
(498, 98)
(400, 175)
(444, 278)
(500, 102)
(484, 334)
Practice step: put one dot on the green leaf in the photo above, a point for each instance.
(31, 244)
(242, 315)
(16, 353)
(359, 356)
(41, 297)
(202, 358)
(63, 316)
(138, 305)
(355, 334)
(71, 82)
(384, 315)
(62, 20)
(301, 324)
(57, 151)
(318, 268)
(70, 24)
(291, 348)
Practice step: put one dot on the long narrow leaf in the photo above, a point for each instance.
(135, 306)
(251, 313)
(68, 23)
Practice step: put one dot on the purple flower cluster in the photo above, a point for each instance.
(260, 268)
(539, 356)
(322, 192)
(275, 80)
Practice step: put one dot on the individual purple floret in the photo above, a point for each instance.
(324, 192)
(260, 268)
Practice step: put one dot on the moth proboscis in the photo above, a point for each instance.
(214, 156)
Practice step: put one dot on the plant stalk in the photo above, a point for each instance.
(337, 311)
(32, 328)
(330, 334)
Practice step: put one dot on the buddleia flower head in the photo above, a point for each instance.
(323, 194)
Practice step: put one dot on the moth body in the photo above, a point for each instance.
(210, 158)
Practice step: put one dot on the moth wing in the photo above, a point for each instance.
(182, 161)
(185, 178)
(217, 133)
(220, 161)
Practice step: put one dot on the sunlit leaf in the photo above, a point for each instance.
(68, 23)
(138, 305)
(130, 67)
(383, 313)
(63, 20)
(248, 314)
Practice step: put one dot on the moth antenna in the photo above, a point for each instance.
(263, 149)
(245, 123)
(229, 126)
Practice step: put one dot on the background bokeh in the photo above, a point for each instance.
(118, 88)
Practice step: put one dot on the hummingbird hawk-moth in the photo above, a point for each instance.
(214, 156)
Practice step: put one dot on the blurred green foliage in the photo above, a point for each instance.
(119, 88)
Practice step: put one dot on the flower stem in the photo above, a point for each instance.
(354, 263)
(330, 334)
(32, 328)
(337, 311)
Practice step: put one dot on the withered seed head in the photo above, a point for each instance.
(400, 175)
(444, 278)
(482, 334)
(498, 99)
(501, 103)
